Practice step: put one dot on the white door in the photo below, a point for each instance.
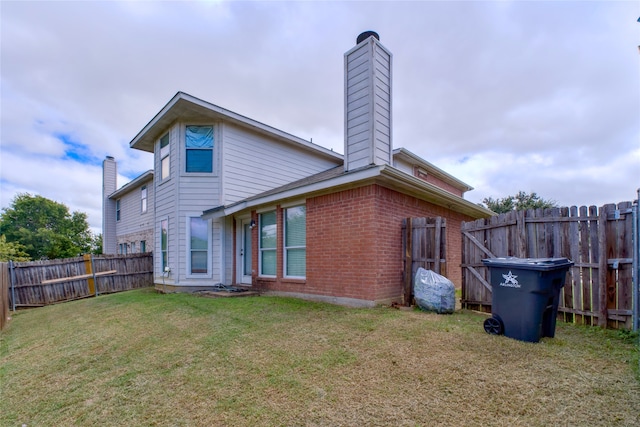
(244, 251)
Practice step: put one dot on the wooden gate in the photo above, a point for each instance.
(424, 245)
(599, 287)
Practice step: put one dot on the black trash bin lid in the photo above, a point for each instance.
(540, 264)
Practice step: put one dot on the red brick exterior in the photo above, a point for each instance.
(354, 244)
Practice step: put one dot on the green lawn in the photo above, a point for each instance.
(143, 358)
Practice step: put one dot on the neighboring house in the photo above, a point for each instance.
(238, 202)
(128, 213)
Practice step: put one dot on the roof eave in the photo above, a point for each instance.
(145, 139)
(382, 174)
(445, 176)
(147, 176)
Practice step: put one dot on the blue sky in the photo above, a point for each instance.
(537, 96)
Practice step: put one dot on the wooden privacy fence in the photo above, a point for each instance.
(424, 244)
(599, 288)
(39, 283)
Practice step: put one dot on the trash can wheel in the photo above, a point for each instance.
(493, 326)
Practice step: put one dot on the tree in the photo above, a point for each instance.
(519, 202)
(45, 228)
(12, 251)
(96, 244)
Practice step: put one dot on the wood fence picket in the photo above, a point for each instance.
(599, 287)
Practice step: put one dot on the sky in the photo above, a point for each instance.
(507, 96)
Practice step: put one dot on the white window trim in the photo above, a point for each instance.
(118, 210)
(163, 153)
(284, 242)
(208, 274)
(260, 250)
(214, 150)
(144, 201)
(162, 267)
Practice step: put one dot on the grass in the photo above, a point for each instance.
(142, 358)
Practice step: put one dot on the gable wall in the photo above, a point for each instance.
(134, 225)
(254, 164)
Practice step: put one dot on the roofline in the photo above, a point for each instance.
(147, 176)
(382, 174)
(434, 169)
(232, 117)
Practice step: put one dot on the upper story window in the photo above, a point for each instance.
(118, 210)
(164, 157)
(143, 198)
(199, 149)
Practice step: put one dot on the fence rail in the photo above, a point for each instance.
(600, 286)
(40, 283)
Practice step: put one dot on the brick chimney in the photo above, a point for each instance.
(367, 101)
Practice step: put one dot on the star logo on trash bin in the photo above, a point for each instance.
(510, 280)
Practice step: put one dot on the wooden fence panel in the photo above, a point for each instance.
(598, 288)
(40, 283)
(424, 243)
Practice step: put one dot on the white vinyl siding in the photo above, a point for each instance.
(130, 218)
(295, 242)
(367, 105)
(254, 164)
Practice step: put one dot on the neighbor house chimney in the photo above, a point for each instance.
(367, 103)
(109, 186)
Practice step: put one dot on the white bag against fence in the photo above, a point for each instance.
(434, 292)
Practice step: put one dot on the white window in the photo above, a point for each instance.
(295, 241)
(267, 243)
(164, 243)
(143, 246)
(143, 199)
(164, 157)
(199, 149)
(198, 245)
(133, 247)
(118, 210)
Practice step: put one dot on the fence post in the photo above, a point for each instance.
(88, 267)
(12, 278)
(602, 268)
(408, 268)
(93, 272)
(436, 253)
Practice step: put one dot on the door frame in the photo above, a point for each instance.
(243, 225)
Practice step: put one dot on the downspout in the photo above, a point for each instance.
(636, 264)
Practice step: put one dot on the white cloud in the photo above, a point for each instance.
(536, 96)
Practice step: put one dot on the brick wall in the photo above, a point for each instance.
(354, 244)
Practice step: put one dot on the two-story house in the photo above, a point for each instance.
(238, 202)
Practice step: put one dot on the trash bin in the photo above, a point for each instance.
(526, 292)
